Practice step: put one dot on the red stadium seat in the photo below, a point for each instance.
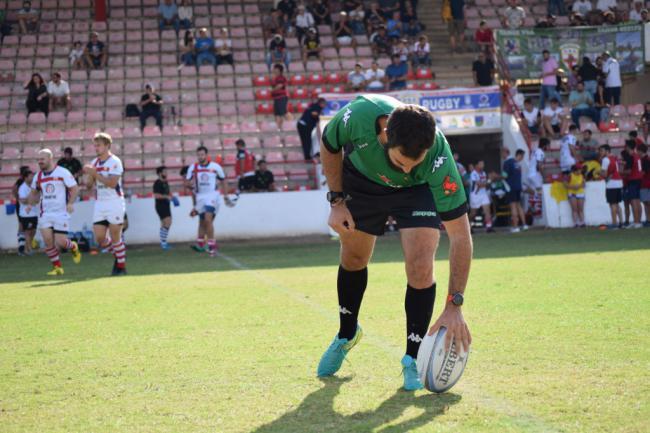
(335, 78)
(263, 94)
(265, 108)
(300, 93)
(261, 80)
(297, 80)
(316, 78)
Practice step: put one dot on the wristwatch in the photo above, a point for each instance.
(457, 299)
(336, 197)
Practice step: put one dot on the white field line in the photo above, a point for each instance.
(524, 419)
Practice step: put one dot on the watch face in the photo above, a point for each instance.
(458, 299)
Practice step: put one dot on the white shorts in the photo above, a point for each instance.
(536, 181)
(59, 222)
(208, 203)
(478, 199)
(111, 211)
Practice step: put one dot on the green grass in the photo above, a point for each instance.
(185, 343)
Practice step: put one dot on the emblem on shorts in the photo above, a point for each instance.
(449, 186)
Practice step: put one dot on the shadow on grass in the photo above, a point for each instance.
(316, 412)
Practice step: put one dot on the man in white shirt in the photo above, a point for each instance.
(375, 78)
(531, 114)
(568, 150)
(185, 15)
(535, 178)
(59, 93)
(356, 79)
(583, 7)
(513, 16)
(223, 48)
(304, 20)
(553, 120)
(613, 83)
(605, 5)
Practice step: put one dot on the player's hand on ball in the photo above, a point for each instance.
(452, 319)
(193, 213)
(341, 219)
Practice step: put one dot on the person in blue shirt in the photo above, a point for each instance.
(204, 46)
(512, 174)
(396, 73)
(394, 26)
(168, 15)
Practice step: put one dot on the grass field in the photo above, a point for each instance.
(185, 343)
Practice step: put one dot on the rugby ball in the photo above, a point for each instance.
(438, 369)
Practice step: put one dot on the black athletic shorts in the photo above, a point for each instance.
(513, 196)
(614, 195)
(163, 210)
(280, 106)
(371, 204)
(28, 223)
(246, 183)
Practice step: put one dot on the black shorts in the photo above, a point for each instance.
(28, 223)
(632, 190)
(163, 210)
(556, 128)
(513, 196)
(280, 106)
(371, 204)
(614, 195)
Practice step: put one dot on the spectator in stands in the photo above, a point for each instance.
(70, 163)
(574, 182)
(609, 18)
(375, 78)
(556, 7)
(204, 48)
(401, 49)
(583, 7)
(600, 103)
(573, 78)
(412, 28)
(380, 43)
(273, 23)
(588, 146)
(546, 23)
(76, 55)
(512, 170)
(321, 12)
(151, 106)
(357, 19)
(588, 74)
(396, 74)
(576, 20)
(28, 18)
(421, 52)
(484, 38)
(185, 15)
(388, 7)
(645, 121)
(549, 79)
(96, 52)
(606, 5)
(394, 26)
(513, 16)
(456, 26)
(613, 82)
(635, 12)
(343, 32)
(306, 124)
(37, 97)
(531, 114)
(278, 52)
(188, 57)
(5, 26)
(244, 167)
(374, 18)
(582, 104)
(223, 48)
(483, 71)
(356, 79)
(288, 10)
(264, 181)
(553, 122)
(168, 16)
(408, 12)
(279, 94)
(311, 46)
(642, 149)
(479, 197)
(645, 18)
(304, 20)
(568, 152)
(59, 93)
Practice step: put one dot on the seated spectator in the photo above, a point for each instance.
(185, 15)
(151, 106)
(76, 55)
(421, 52)
(244, 167)
(483, 71)
(204, 49)
(187, 49)
(577, 20)
(278, 52)
(388, 7)
(375, 78)
(264, 181)
(412, 28)
(28, 18)
(396, 74)
(546, 23)
(401, 49)
(273, 23)
(321, 12)
(374, 18)
(484, 38)
(96, 52)
(288, 10)
(573, 79)
(409, 12)
(59, 93)
(380, 43)
(356, 79)
(513, 16)
(168, 16)
(556, 7)
(644, 16)
(394, 26)
(311, 46)
(280, 95)
(343, 32)
(223, 48)
(583, 7)
(37, 97)
(645, 121)
(304, 20)
(70, 163)
(609, 18)
(531, 114)
(606, 5)
(349, 5)
(553, 122)
(357, 18)
(588, 146)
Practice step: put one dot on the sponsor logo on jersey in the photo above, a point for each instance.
(449, 186)
(204, 177)
(423, 213)
(414, 338)
(361, 146)
(346, 116)
(49, 188)
(439, 162)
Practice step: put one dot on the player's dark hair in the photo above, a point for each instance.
(240, 142)
(411, 128)
(67, 150)
(572, 128)
(630, 144)
(543, 142)
(557, 101)
(261, 161)
(528, 101)
(633, 134)
(202, 148)
(588, 130)
(519, 152)
(279, 68)
(606, 147)
(160, 169)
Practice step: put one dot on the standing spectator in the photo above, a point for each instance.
(76, 55)
(288, 10)
(512, 169)
(70, 163)
(151, 106)
(553, 122)
(574, 182)
(421, 52)
(379, 42)
(187, 49)
(588, 74)
(484, 38)
(556, 7)
(513, 16)
(582, 104)
(531, 114)
(96, 52)
(375, 78)
(456, 25)
(37, 97)
(264, 181)
(613, 83)
(536, 165)
(600, 103)
(168, 16)
(645, 121)
(588, 146)
(278, 52)
(357, 18)
(374, 18)
(396, 74)
(59, 93)
(479, 197)
(343, 33)
(223, 48)
(583, 7)
(204, 48)
(28, 18)
(568, 152)
(549, 79)
(306, 124)
(162, 198)
(304, 20)
(610, 171)
(311, 46)
(185, 15)
(244, 167)
(633, 171)
(388, 7)
(394, 26)
(321, 12)
(483, 71)
(356, 79)
(279, 94)
(606, 5)
(645, 182)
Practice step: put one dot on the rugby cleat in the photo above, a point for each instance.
(333, 357)
(118, 272)
(57, 270)
(165, 246)
(410, 372)
(198, 248)
(76, 253)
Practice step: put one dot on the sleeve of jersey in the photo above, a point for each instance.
(190, 172)
(116, 169)
(446, 186)
(68, 179)
(220, 173)
(335, 134)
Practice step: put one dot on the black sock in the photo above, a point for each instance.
(418, 304)
(350, 286)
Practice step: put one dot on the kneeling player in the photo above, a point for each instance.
(58, 190)
(105, 172)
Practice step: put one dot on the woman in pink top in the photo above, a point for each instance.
(549, 80)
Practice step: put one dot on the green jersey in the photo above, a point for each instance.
(354, 130)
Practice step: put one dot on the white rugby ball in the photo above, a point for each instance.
(438, 369)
